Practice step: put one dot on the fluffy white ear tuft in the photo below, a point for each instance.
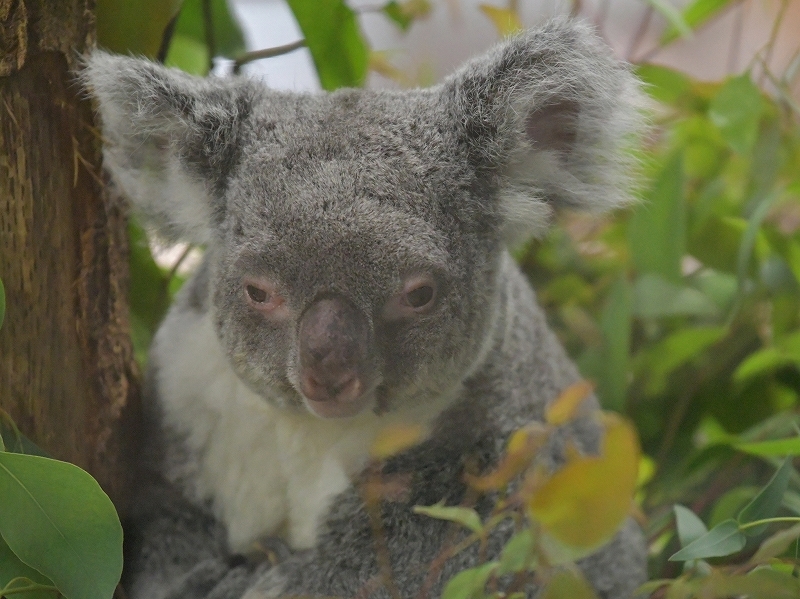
(170, 140)
(550, 113)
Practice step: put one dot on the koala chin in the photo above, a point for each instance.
(356, 277)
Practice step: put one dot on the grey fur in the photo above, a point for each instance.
(349, 193)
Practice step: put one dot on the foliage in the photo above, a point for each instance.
(684, 309)
(558, 516)
(59, 532)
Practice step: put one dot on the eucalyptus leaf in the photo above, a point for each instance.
(772, 448)
(12, 567)
(568, 583)
(694, 15)
(615, 323)
(690, 527)
(465, 516)
(469, 584)
(657, 230)
(333, 36)
(723, 539)
(736, 110)
(673, 16)
(766, 503)
(227, 36)
(664, 84)
(134, 26)
(656, 297)
(776, 544)
(516, 555)
(57, 520)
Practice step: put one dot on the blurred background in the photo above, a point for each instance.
(454, 30)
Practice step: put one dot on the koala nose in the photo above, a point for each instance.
(334, 342)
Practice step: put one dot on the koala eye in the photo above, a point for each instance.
(417, 297)
(264, 297)
(259, 296)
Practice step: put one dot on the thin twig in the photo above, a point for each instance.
(166, 38)
(174, 270)
(267, 53)
(773, 36)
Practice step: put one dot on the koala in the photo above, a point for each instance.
(356, 276)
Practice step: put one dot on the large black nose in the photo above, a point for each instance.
(334, 343)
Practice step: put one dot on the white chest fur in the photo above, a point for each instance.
(266, 471)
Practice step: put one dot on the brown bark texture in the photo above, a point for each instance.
(67, 374)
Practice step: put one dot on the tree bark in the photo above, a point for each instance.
(67, 374)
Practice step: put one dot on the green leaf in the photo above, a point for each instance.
(333, 37)
(395, 12)
(2, 302)
(14, 441)
(689, 526)
(751, 236)
(664, 84)
(134, 26)
(188, 54)
(57, 519)
(657, 230)
(731, 503)
(655, 297)
(227, 35)
(465, 516)
(736, 110)
(694, 15)
(773, 448)
(723, 539)
(766, 503)
(761, 583)
(717, 243)
(517, 553)
(682, 346)
(676, 20)
(11, 567)
(615, 322)
(568, 583)
(404, 13)
(776, 544)
(469, 584)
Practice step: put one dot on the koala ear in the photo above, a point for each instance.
(171, 140)
(548, 114)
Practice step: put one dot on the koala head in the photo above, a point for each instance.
(354, 238)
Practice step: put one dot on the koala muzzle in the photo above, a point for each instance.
(335, 347)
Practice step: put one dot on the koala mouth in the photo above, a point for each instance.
(338, 409)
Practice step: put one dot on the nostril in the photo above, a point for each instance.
(313, 389)
(348, 388)
(344, 388)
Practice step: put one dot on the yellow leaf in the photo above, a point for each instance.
(505, 20)
(566, 406)
(584, 503)
(522, 447)
(568, 583)
(395, 439)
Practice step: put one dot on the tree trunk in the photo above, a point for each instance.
(67, 375)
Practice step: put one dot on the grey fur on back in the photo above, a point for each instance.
(344, 202)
